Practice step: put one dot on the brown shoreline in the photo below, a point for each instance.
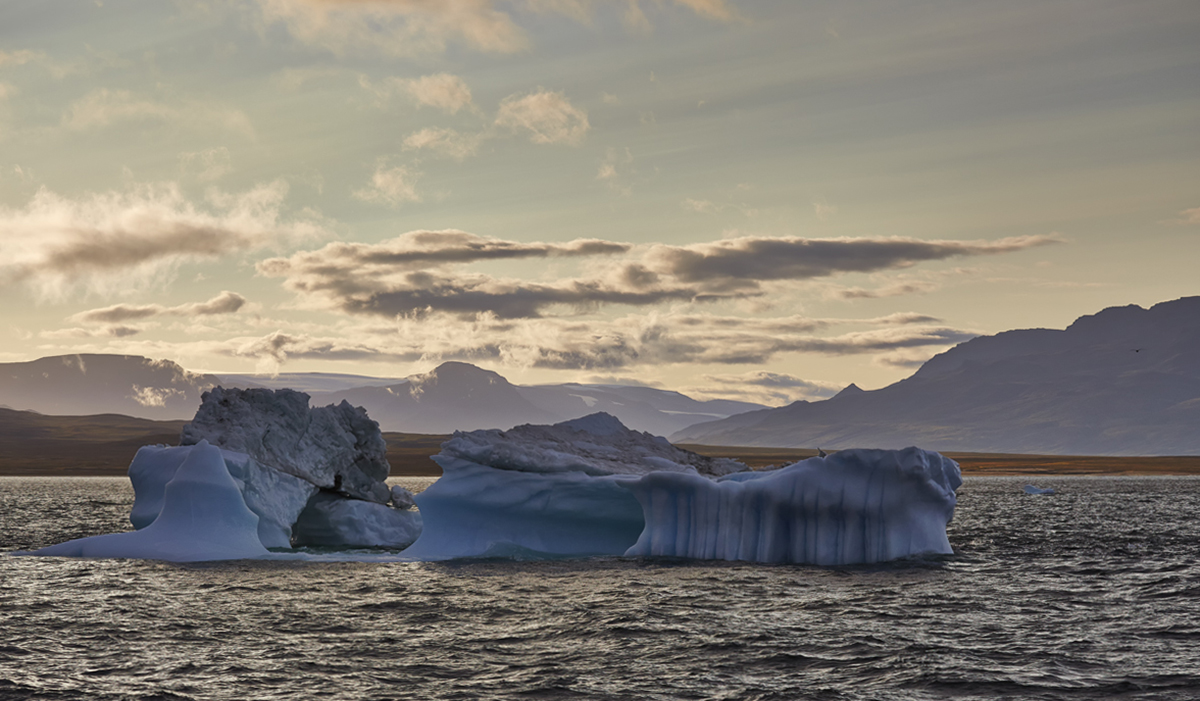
(87, 454)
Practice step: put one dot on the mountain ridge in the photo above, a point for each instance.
(1123, 381)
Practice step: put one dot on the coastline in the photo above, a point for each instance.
(409, 454)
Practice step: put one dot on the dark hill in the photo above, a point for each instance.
(1125, 381)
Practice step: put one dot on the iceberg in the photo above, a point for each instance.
(335, 447)
(852, 507)
(1031, 489)
(593, 487)
(260, 470)
(260, 462)
(202, 517)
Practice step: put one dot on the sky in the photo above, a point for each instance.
(749, 199)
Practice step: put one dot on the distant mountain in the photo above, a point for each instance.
(451, 397)
(454, 396)
(461, 396)
(656, 411)
(1125, 381)
(306, 381)
(103, 384)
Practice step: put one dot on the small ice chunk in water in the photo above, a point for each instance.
(1030, 489)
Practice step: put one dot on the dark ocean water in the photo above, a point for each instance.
(1093, 593)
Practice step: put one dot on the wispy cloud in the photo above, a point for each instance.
(418, 273)
(765, 387)
(112, 240)
(103, 107)
(207, 165)
(1187, 216)
(747, 261)
(614, 170)
(445, 142)
(415, 27)
(394, 185)
(225, 303)
(443, 91)
(547, 117)
(396, 27)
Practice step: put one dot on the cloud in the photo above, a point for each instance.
(407, 28)
(225, 303)
(110, 241)
(824, 211)
(102, 108)
(701, 206)
(547, 117)
(598, 344)
(613, 167)
(905, 288)
(654, 339)
(406, 276)
(767, 387)
(208, 165)
(18, 58)
(442, 91)
(413, 275)
(446, 92)
(746, 262)
(394, 186)
(446, 142)
(396, 27)
(713, 9)
(1190, 216)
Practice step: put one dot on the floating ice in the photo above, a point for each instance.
(596, 444)
(591, 486)
(583, 487)
(855, 506)
(275, 497)
(202, 517)
(279, 430)
(332, 520)
(476, 510)
(1030, 489)
(321, 484)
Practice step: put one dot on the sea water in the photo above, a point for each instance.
(1093, 592)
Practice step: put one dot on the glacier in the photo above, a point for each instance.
(592, 487)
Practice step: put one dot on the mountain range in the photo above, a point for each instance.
(1124, 381)
(453, 396)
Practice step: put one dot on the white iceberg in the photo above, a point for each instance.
(1031, 489)
(583, 487)
(202, 517)
(304, 476)
(336, 447)
(275, 497)
(593, 487)
(853, 507)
